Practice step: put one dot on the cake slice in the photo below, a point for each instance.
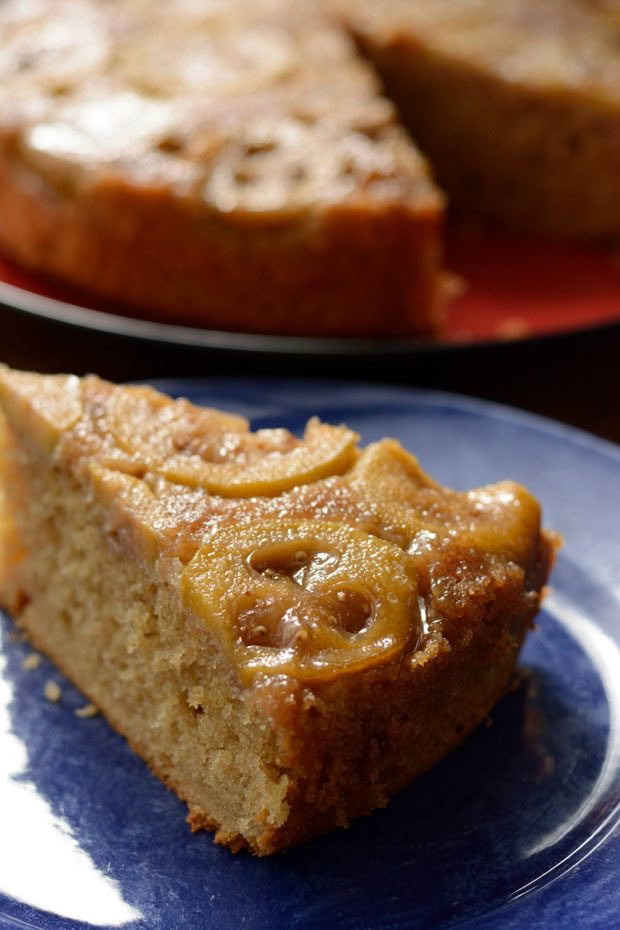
(231, 165)
(287, 630)
(515, 102)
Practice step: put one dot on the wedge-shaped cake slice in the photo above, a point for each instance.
(229, 164)
(287, 630)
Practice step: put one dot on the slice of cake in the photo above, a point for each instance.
(287, 630)
(230, 165)
(515, 102)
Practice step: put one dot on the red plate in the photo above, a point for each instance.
(519, 288)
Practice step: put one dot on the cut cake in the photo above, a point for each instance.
(287, 630)
(227, 164)
(236, 164)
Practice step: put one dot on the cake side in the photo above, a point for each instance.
(113, 621)
(353, 270)
(189, 165)
(284, 661)
(12, 551)
(516, 105)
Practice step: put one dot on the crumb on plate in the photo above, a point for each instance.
(32, 661)
(52, 691)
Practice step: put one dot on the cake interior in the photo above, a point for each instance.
(114, 621)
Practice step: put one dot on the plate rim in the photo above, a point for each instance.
(159, 333)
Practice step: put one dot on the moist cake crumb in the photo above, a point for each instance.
(88, 710)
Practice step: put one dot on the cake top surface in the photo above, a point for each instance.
(243, 107)
(558, 44)
(306, 557)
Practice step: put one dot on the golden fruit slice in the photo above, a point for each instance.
(413, 511)
(306, 598)
(44, 405)
(325, 450)
(506, 520)
(389, 470)
(151, 428)
(389, 478)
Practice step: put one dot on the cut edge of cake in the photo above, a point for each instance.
(515, 105)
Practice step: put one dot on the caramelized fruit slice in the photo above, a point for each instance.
(43, 405)
(501, 519)
(310, 599)
(389, 478)
(151, 428)
(506, 520)
(325, 450)
(391, 470)
(144, 431)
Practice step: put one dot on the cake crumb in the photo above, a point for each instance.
(32, 661)
(89, 710)
(52, 691)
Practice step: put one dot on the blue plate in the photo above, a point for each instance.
(519, 828)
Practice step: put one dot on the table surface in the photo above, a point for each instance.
(575, 378)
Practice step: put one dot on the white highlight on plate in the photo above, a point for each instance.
(41, 863)
(605, 656)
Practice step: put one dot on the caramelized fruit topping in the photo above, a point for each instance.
(308, 598)
(45, 405)
(142, 431)
(502, 519)
(325, 450)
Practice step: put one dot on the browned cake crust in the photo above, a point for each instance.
(515, 102)
(287, 631)
(231, 165)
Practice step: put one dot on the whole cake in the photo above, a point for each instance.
(228, 164)
(287, 630)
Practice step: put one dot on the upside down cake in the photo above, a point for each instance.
(287, 630)
(229, 164)
(236, 164)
